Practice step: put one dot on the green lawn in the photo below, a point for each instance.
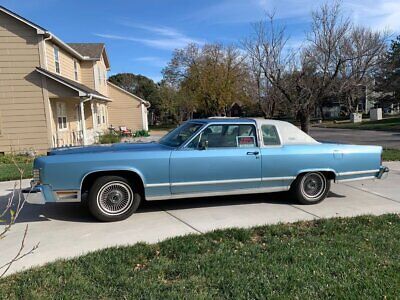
(391, 154)
(335, 258)
(8, 169)
(391, 124)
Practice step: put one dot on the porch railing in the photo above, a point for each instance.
(68, 138)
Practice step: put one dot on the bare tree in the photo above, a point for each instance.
(365, 51)
(335, 53)
(8, 216)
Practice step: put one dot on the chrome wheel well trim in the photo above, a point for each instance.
(134, 171)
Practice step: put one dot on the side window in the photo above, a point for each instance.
(270, 135)
(61, 116)
(56, 59)
(229, 136)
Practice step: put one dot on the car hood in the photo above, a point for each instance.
(152, 146)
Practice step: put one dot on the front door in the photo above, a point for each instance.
(223, 157)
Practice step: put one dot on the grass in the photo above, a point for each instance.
(390, 124)
(391, 154)
(8, 169)
(334, 258)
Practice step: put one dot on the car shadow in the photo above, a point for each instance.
(77, 212)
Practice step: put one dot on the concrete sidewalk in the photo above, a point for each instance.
(67, 230)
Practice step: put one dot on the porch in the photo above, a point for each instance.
(71, 127)
(78, 114)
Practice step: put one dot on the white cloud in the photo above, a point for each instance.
(378, 14)
(163, 37)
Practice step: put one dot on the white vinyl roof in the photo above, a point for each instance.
(289, 133)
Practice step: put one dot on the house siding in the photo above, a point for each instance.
(66, 62)
(124, 110)
(22, 113)
(87, 77)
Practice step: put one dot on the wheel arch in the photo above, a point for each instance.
(329, 173)
(130, 174)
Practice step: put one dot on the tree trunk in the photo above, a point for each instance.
(304, 121)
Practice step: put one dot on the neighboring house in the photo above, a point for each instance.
(54, 94)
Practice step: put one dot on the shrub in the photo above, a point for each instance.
(109, 138)
(140, 133)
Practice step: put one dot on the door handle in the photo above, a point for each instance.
(253, 153)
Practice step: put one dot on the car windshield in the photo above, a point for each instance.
(179, 135)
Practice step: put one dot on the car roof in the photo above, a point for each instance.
(223, 120)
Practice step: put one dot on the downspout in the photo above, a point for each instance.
(83, 122)
(45, 49)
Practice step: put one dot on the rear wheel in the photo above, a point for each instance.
(311, 188)
(113, 198)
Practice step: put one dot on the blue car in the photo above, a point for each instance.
(200, 158)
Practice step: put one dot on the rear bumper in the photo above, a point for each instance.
(41, 194)
(380, 173)
(383, 172)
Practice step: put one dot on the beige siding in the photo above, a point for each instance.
(124, 110)
(22, 113)
(66, 62)
(87, 74)
(100, 73)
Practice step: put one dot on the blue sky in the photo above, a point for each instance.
(141, 35)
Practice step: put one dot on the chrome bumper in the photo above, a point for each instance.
(40, 194)
(34, 195)
(383, 172)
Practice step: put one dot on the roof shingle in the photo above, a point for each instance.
(92, 50)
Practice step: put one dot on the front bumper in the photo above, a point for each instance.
(43, 193)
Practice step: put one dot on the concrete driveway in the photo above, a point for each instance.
(66, 230)
(386, 139)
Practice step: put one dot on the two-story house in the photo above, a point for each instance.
(55, 94)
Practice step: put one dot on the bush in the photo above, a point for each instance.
(140, 133)
(109, 138)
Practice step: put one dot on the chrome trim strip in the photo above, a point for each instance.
(358, 172)
(355, 179)
(212, 182)
(215, 182)
(278, 178)
(157, 184)
(220, 193)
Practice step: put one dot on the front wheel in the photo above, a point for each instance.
(113, 198)
(311, 188)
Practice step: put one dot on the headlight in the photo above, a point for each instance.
(36, 176)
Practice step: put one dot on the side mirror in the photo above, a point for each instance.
(203, 145)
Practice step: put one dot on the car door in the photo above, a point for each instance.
(222, 157)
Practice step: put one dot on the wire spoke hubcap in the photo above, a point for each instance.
(313, 185)
(115, 198)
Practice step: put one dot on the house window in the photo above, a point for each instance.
(103, 114)
(56, 60)
(75, 70)
(61, 116)
(105, 77)
(99, 75)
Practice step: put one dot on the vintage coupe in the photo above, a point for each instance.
(207, 157)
